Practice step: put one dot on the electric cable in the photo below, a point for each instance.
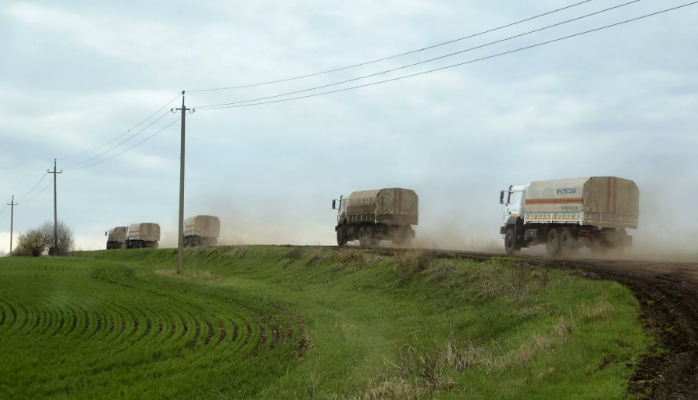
(43, 176)
(394, 56)
(129, 138)
(137, 144)
(139, 124)
(37, 195)
(429, 60)
(226, 105)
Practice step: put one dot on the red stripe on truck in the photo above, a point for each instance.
(554, 201)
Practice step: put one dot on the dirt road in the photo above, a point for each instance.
(668, 297)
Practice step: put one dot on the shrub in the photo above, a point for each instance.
(32, 243)
(66, 238)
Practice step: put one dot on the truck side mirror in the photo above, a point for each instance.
(105, 233)
(334, 204)
(501, 197)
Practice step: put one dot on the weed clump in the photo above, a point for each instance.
(563, 329)
(236, 251)
(347, 256)
(603, 310)
(411, 262)
(317, 256)
(393, 389)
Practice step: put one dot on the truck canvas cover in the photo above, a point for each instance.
(603, 201)
(148, 232)
(203, 226)
(117, 234)
(389, 206)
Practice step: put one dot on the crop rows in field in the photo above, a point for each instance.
(92, 320)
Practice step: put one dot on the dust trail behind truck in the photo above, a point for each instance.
(569, 214)
(373, 215)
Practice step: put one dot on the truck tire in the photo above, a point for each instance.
(553, 244)
(341, 237)
(510, 242)
(362, 237)
(568, 243)
(368, 236)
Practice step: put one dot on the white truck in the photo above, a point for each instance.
(201, 231)
(143, 235)
(569, 214)
(116, 238)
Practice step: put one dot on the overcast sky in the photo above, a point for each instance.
(74, 75)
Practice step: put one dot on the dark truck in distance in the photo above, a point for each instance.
(373, 215)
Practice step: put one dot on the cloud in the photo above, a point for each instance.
(620, 103)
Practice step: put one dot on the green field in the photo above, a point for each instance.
(310, 323)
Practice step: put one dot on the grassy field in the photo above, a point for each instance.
(310, 323)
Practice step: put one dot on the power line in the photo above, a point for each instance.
(220, 106)
(37, 195)
(137, 144)
(430, 60)
(139, 124)
(129, 138)
(395, 56)
(43, 176)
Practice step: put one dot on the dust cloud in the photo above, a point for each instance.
(663, 235)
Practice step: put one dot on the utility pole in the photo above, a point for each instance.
(55, 209)
(12, 219)
(180, 239)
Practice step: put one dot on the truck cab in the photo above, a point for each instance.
(515, 201)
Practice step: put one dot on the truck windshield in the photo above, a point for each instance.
(515, 198)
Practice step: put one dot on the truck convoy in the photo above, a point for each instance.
(569, 214)
(373, 215)
(142, 235)
(202, 230)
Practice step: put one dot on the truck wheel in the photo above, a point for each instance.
(341, 237)
(368, 236)
(510, 242)
(568, 243)
(553, 245)
(362, 237)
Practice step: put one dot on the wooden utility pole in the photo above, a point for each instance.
(55, 209)
(180, 239)
(12, 220)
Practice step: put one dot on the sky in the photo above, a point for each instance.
(74, 75)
